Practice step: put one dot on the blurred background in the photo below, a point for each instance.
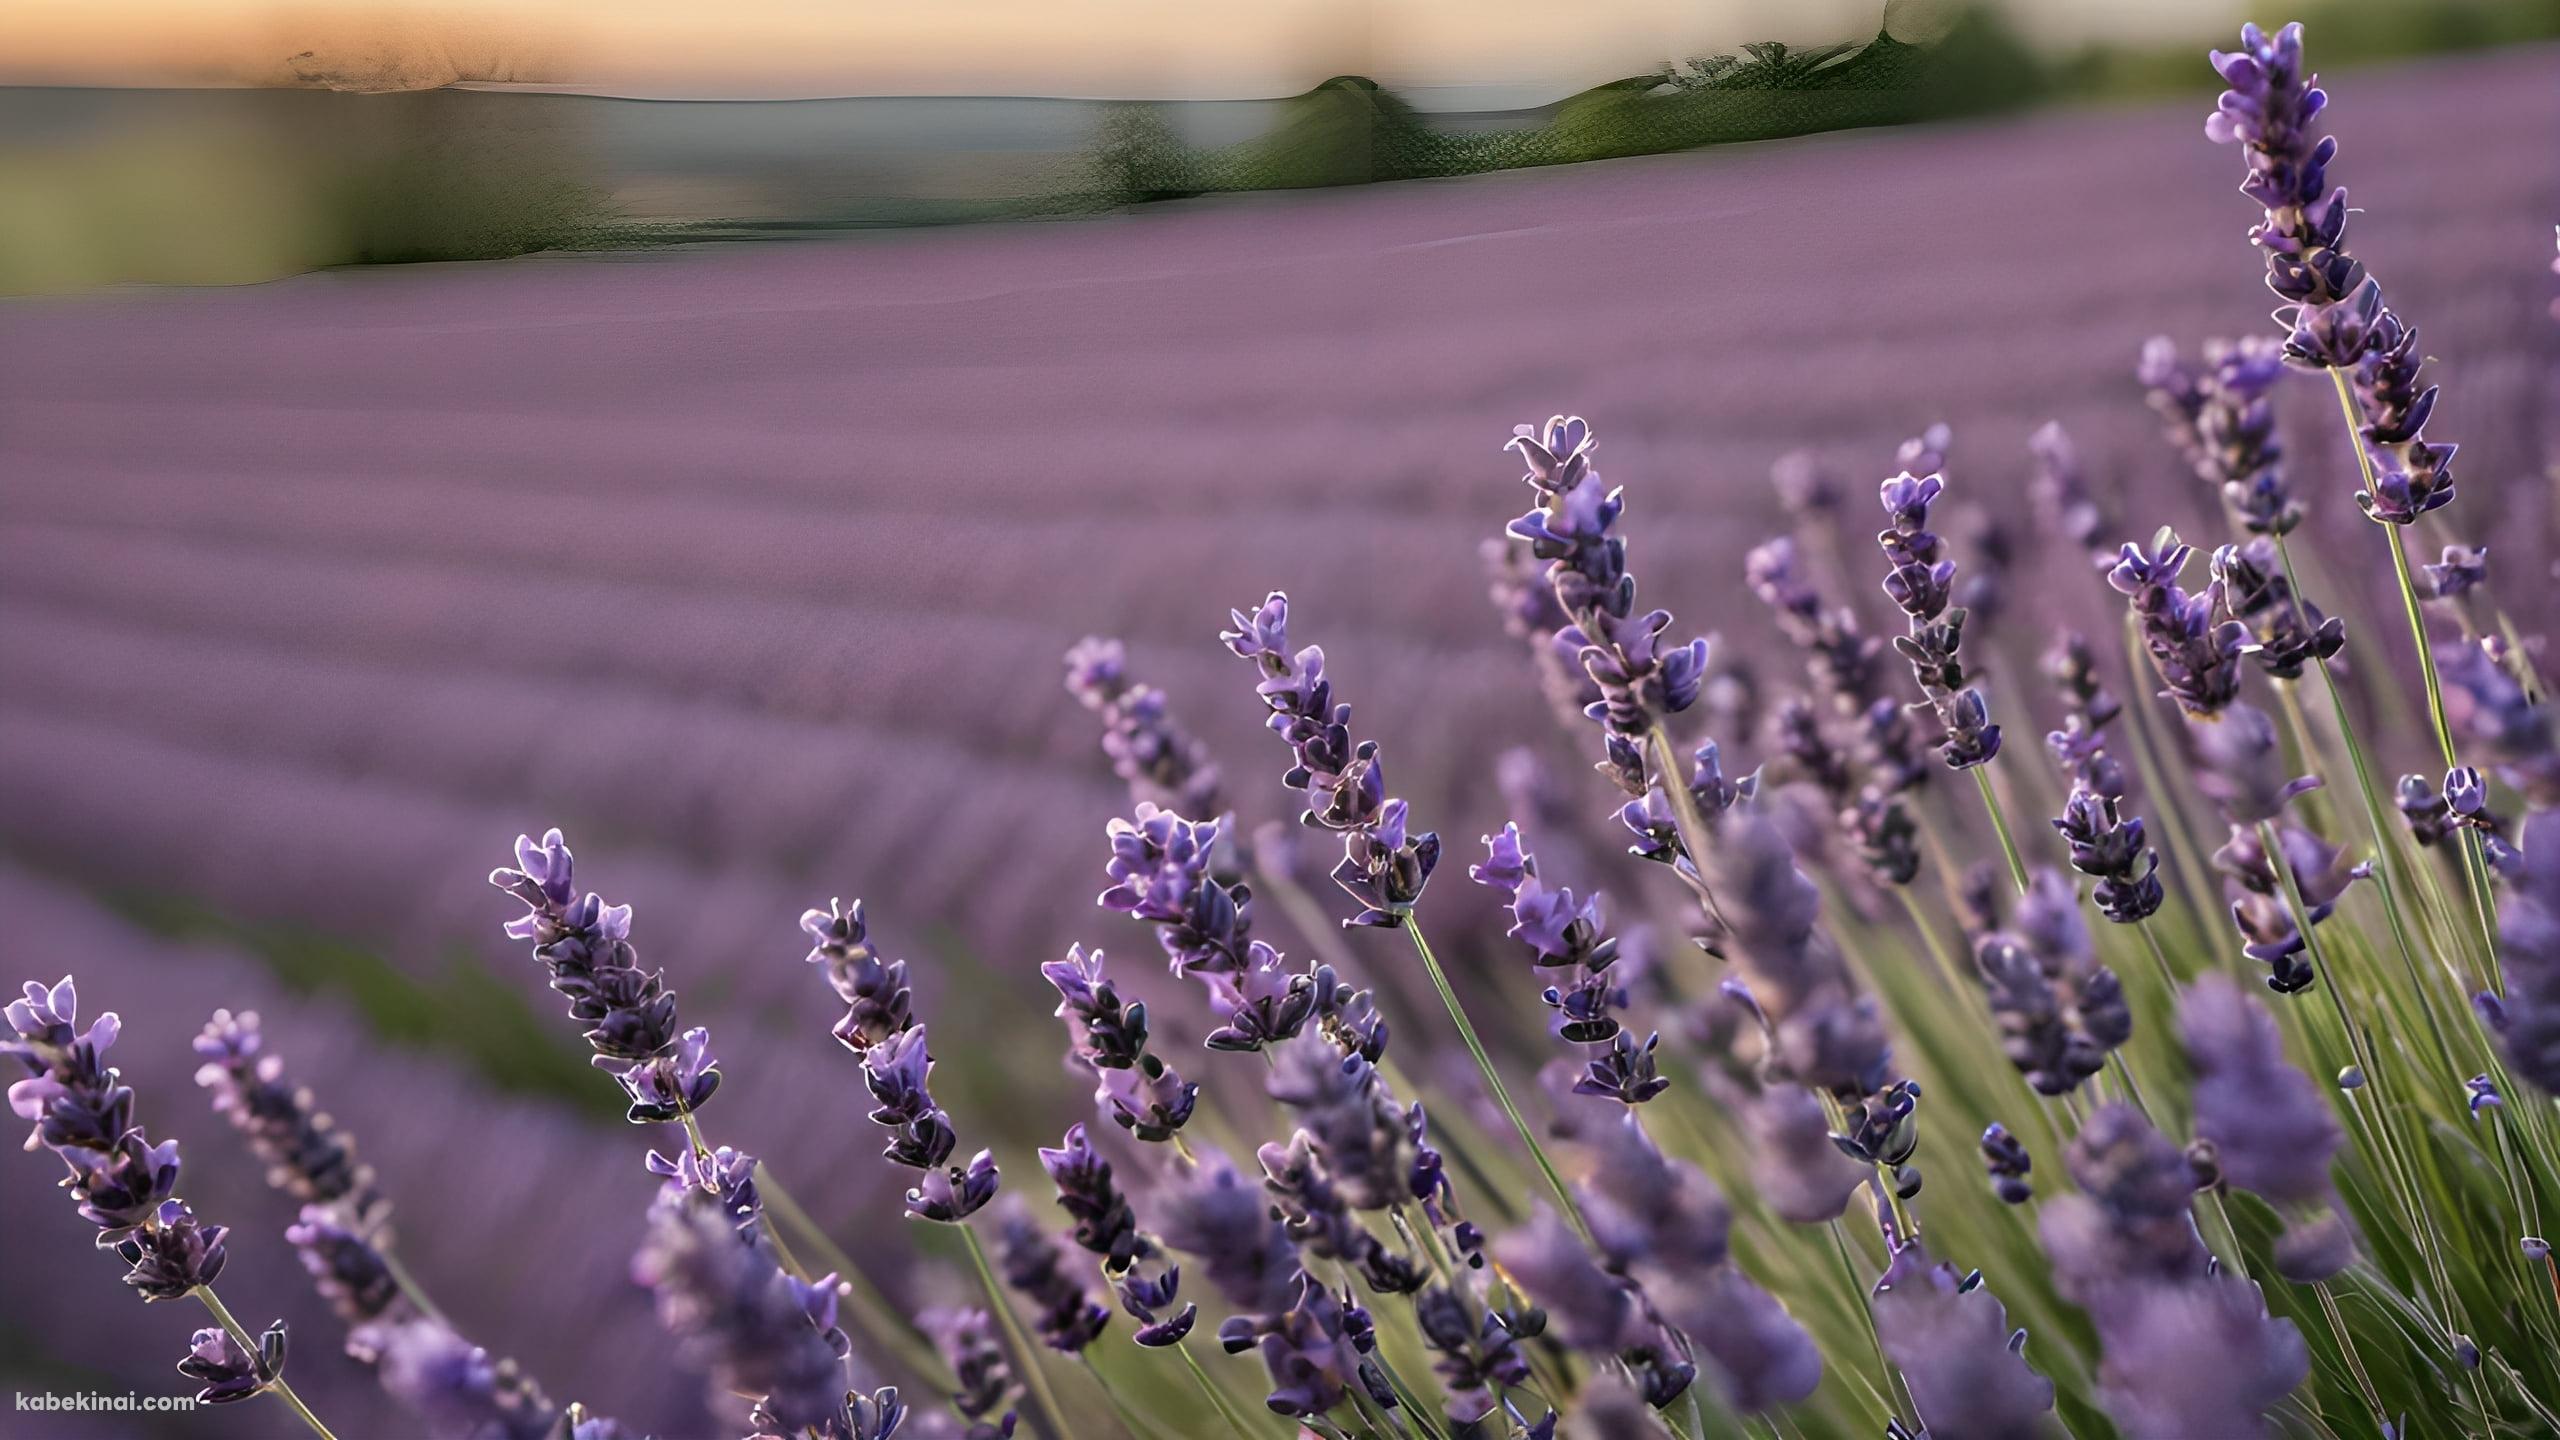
(796, 383)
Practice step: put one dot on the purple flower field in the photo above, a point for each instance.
(751, 568)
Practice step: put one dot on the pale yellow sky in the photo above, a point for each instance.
(838, 47)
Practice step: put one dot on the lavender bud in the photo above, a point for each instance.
(230, 1373)
(1952, 1342)
(874, 991)
(1105, 1225)
(2271, 1129)
(732, 1311)
(1159, 761)
(1212, 1212)
(1064, 1314)
(306, 1154)
(2005, 1157)
(987, 1389)
(2464, 568)
(344, 1264)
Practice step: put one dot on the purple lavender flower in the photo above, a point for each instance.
(1318, 1215)
(1314, 1351)
(2221, 418)
(733, 1311)
(306, 1154)
(921, 1137)
(2195, 650)
(2270, 110)
(1109, 1035)
(1920, 580)
(1062, 1311)
(2199, 1359)
(631, 1014)
(346, 1264)
(2130, 1221)
(2262, 912)
(2488, 707)
(2335, 315)
(878, 1003)
(2005, 1158)
(987, 1390)
(1344, 1106)
(1590, 1308)
(125, 1185)
(1150, 1299)
(1382, 867)
(2060, 492)
(2463, 569)
(2271, 1128)
(454, 1387)
(2041, 1030)
(1563, 932)
(1640, 682)
(1794, 1166)
(1474, 1352)
(1160, 762)
(228, 1372)
(2527, 1022)
(1531, 615)
(1105, 1225)
(1161, 872)
(1213, 1213)
(1950, 1338)
(2287, 632)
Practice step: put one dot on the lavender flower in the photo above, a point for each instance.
(2199, 1359)
(2527, 1022)
(878, 1002)
(2222, 420)
(1795, 1168)
(1531, 615)
(2059, 490)
(1640, 682)
(83, 1113)
(987, 1390)
(2105, 843)
(2271, 1128)
(2287, 631)
(457, 1391)
(1161, 872)
(346, 1265)
(1159, 761)
(1920, 580)
(1382, 867)
(1212, 1212)
(2195, 650)
(306, 1154)
(1150, 1299)
(1141, 1093)
(1065, 1316)
(2260, 908)
(2043, 1036)
(1314, 1351)
(921, 1137)
(2335, 315)
(734, 1311)
(1567, 934)
(2006, 1159)
(1950, 1338)
(1105, 1225)
(230, 1373)
(1474, 1352)
(631, 1014)
(1319, 1217)
(2491, 709)
(2462, 569)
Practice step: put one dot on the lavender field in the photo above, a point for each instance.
(751, 568)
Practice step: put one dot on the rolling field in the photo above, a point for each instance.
(751, 568)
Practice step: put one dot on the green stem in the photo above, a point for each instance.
(1052, 1419)
(1493, 1079)
(1684, 814)
(1208, 1387)
(2000, 823)
(249, 1346)
(409, 1286)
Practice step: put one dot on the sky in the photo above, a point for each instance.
(1132, 48)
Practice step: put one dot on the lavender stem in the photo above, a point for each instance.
(2000, 823)
(249, 1345)
(1209, 1388)
(1493, 1080)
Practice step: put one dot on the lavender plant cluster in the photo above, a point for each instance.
(1760, 1168)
